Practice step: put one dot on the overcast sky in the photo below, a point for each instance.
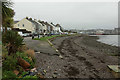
(71, 15)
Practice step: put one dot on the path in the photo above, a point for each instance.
(39, 46)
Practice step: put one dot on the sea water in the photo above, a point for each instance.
(109, 39)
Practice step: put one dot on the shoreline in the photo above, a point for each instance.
(105, 41)
(82, 57)
(112, 50)
(87, 49)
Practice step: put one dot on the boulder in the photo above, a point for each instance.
(24, 64)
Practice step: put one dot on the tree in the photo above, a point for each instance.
(12, 40)
(39, 21)
(30, 18)
(8, 22)
(7, 13)
(26, 17)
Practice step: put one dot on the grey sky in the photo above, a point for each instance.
(71, 15)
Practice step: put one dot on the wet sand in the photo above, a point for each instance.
(83, 57)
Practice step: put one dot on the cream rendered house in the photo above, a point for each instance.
(26, 24)
(30, 25)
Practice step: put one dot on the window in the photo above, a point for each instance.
(18, 24)
(23, 25)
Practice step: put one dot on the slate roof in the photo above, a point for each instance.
(34, 22)
(15, 22)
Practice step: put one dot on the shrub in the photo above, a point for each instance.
(26, 76)
(8, 75)
(20, 54)
(4, 52)
(22, 48)
(12, 40)
(10, 63)
(23, 73)
(26, 58)
(30, 53)
(30, 78)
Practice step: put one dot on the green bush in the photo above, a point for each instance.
(23, 73)
(20, 54)
(10, 63)
(30, 78)
(27, 77)
(12, 40)
(8, 74)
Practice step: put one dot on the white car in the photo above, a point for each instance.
(24, 35)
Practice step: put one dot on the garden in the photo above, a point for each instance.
(18, 62)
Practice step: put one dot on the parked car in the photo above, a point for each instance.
(23, 34)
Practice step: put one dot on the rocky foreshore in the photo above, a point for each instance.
(82, 57)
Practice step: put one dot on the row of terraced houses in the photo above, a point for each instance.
(28, 25)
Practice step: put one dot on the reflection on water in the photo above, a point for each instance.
(109, 39)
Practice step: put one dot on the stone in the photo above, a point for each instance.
(33, 70)
(61, 57)
(54, 76)
(37, 52)
(48, 66)
(44, 71)
(57, 50)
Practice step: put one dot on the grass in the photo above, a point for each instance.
(48, 37)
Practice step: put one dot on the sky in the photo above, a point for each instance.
(70, 15)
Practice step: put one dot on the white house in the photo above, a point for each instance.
(56, 28)
(49, 28)
(43, 28)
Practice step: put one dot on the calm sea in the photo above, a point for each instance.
(109, 39)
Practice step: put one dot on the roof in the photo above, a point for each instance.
(34, 22)
(15, 22)
(46, 23)
(51, 24)
(42, 22)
